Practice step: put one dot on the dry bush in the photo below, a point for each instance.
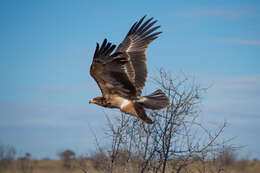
(7, 155)
(99, 160)
(46, 158)
(241, 165)
(81, 163)
(25, 164)
(227, 156)
(219, 160)
(67, 157)
(174, 139)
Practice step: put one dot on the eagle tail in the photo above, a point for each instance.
(155, 101)
(141, 113)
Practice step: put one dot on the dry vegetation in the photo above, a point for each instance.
(55, 166)
(177, 142)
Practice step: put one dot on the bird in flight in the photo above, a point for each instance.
(121, 74)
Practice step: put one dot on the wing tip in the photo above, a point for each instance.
(105, 49)
(144, 28)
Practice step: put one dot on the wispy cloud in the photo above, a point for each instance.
(19, 115)
(32, 127)
(234, 97)
(60, 89)
(240, 42)
(236, 100)
(232, 12)
(246, 85)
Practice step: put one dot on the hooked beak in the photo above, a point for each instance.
(90, 101)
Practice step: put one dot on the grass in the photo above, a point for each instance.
(55, 166)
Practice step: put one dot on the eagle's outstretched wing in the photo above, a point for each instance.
(124, 72)
(134, 47)
(108, 71)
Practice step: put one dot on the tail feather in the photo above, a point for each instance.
(156, 100)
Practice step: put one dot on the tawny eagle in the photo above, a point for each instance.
(121, 74)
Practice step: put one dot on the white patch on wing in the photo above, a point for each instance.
(129, 48)
(129, 69)
(141, 99)
(125, 103)
(130, 45)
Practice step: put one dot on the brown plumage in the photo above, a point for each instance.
(121, 74)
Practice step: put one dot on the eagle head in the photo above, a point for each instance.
(99, 101)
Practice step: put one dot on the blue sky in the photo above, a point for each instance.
(46, 49)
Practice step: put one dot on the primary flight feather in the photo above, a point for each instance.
(121, 73)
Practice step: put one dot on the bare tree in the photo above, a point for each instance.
(7, 155)
(174, 139)
(25, 164)
(67, 157)
(99, 160)
(81, 163)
